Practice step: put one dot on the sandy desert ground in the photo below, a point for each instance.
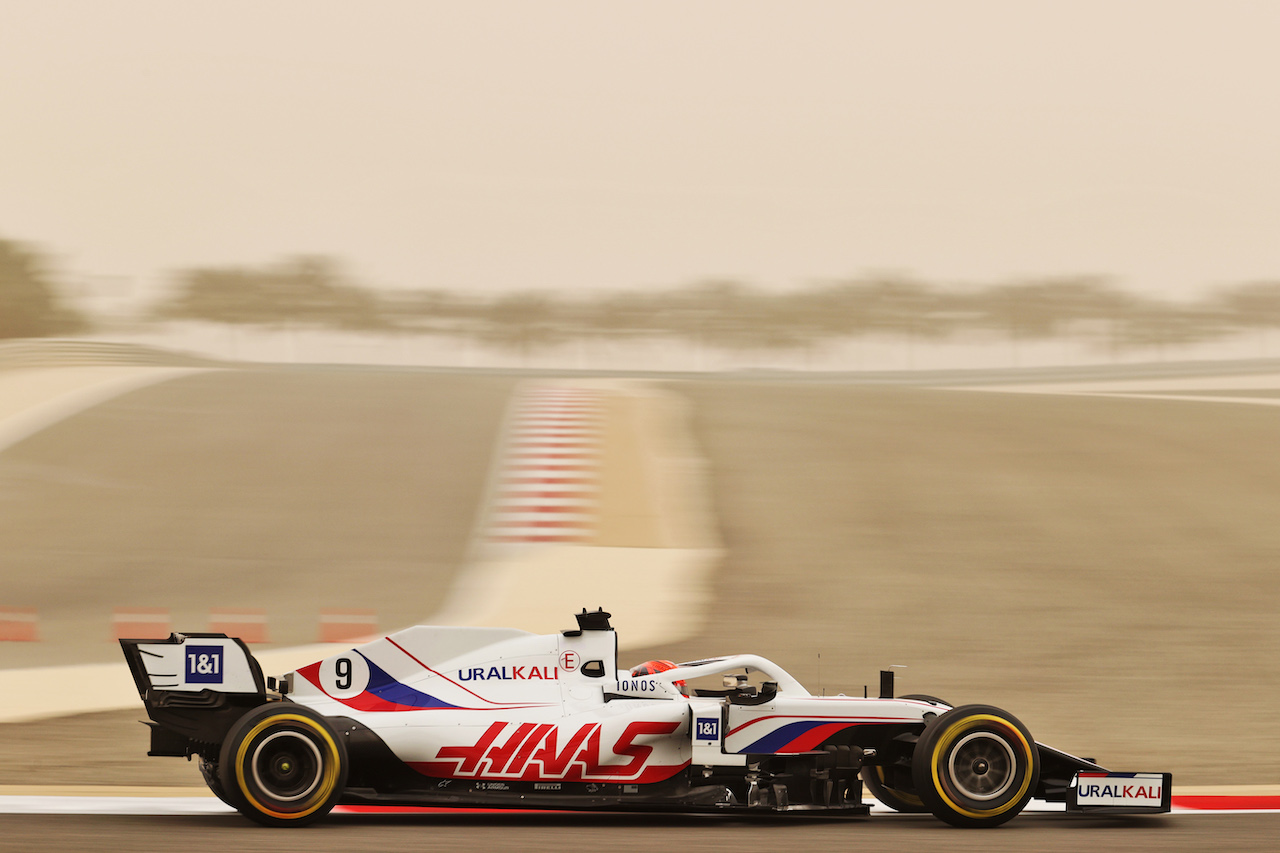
(1104, 567)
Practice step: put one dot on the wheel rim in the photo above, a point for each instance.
(287, 765)
(982, 766)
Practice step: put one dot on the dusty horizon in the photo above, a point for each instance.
(570, 146)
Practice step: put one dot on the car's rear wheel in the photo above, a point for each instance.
(975, 766)
(285, 763)
(209, 770)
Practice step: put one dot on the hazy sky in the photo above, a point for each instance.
(547, 144)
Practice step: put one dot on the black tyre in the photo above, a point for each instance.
(975, 766)
(282, 765)
(900, 799)
(209, 770)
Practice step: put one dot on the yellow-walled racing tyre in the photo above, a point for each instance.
(975, 766)
(283, 765)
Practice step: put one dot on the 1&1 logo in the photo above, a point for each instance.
(204, 664)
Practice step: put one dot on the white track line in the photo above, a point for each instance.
(32, 400)
(37, 804)
(113, 805)
(1228, 389)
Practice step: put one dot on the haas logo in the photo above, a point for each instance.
(533, 751)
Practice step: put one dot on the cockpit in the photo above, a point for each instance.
(740, 679)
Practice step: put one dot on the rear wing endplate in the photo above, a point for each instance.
(194, 687)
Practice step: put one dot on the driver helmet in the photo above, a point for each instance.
(650, 667)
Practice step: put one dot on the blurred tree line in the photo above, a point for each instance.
(29, 305)
(315, 292)
(307, 291)
(726, 314)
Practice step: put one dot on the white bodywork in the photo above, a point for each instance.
(502, 704)
(503, 717)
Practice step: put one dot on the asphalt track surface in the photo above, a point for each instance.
(1102, 567)
(556, 833)
(289, 490)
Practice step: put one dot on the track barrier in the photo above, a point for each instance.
(19, 624)
(336, 624)
(340, 625)
(249, 624)
(140, 622)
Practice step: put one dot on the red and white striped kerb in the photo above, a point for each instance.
(341, 625)
(140, 623)
(548, 484)
(19, 624)
(249, 624)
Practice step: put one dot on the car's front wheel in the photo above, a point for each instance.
(899, 799)
(975, 766)
(900, 795)
(283, 765)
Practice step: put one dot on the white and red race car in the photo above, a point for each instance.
(501, 718)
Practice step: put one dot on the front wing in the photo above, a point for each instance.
(1121, 793)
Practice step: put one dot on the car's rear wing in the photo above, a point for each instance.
(194, 686)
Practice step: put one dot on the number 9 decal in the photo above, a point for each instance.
(345, 675)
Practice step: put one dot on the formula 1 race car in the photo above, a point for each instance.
(501, 718)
